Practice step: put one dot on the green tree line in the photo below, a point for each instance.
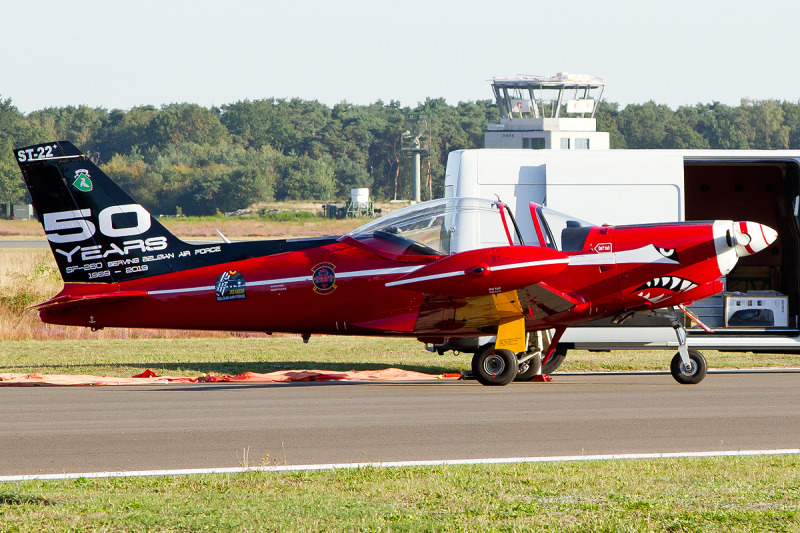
(195, 160)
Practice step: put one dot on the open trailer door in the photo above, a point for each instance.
(762, 293)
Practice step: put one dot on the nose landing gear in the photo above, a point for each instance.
(688, 367)
(691, 373)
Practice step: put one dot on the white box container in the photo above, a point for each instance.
(359, 196)
(756, 309)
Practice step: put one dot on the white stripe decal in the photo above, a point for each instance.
(605, 258)
(379, 272)
(462, 272)
(402, 464)
(532, 264)
(298, 279)
(176, 291)
(644, 255)
(426, 278)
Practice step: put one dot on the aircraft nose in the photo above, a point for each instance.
(751, 237)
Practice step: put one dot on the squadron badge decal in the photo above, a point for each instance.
(82, 180)
(324, 278)
(230, 286)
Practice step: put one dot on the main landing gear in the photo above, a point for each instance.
(501, 367)
(530, 364)
(494, 367)
(688, 367)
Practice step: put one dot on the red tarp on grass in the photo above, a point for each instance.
(148, 377)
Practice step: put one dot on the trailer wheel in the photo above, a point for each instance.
(494, 367)
(689, 376)
(555, 360)
(529, 368)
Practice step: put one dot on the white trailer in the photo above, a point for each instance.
(642, 186)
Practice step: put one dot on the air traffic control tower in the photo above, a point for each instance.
(547, 113)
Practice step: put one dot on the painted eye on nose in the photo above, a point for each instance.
(669, 253)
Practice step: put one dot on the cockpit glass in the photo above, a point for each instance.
(563, 232)
(437, 227)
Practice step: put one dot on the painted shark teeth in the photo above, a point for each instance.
(672, 283)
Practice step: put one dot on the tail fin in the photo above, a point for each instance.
(99, 234)
(96, 231)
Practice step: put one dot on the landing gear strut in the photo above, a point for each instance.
(500, 367)
(688, 367)
(530, 364)
(543, 355)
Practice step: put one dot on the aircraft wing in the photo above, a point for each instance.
(534, 302)
(542, 300)
(484, 313)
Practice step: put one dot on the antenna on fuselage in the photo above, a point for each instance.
(223, 237)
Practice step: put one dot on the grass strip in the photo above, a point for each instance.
(697, 494)
(194, 356)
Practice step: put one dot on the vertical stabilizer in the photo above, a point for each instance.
(97, 232)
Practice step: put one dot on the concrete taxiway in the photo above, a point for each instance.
(126, 428)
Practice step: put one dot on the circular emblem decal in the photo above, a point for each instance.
(324, 278)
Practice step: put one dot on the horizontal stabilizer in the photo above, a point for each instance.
(66, 301)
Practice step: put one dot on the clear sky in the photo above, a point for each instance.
(115, 54)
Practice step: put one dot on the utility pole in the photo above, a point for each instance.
(417, 141)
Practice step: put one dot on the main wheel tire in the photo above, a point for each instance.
(494, 367)
(555, 360)
(529, 368)
(689, 376)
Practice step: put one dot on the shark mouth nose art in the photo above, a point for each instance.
(672, 283)
(653, 290)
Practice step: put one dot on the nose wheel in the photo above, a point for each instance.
(688, 367)
(691, 373)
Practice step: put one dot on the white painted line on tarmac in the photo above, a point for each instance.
(782, 370)
(400, 464)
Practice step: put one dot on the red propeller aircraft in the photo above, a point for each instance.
(441, 271)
